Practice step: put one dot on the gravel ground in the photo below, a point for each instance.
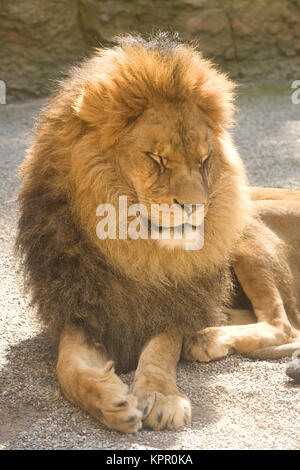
(237, 403)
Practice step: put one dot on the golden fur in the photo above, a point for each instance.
(135, 301)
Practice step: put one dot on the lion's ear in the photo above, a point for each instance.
(89, 103)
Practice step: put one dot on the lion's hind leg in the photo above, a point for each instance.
(257, 340)
(244, 317)
(264, 332)
(88, 379)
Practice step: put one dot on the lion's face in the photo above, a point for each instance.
(166, 159)
(151, 126)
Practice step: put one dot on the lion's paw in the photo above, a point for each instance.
(165, 411)
(122, 413)
(208, 344)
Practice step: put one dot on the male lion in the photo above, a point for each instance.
(147, 120)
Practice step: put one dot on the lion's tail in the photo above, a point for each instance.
(274, 352)
(285, 350)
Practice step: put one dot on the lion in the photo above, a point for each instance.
(149, 120)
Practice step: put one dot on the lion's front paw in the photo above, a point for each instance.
(103, 394)
(121, 413)
(165, 411)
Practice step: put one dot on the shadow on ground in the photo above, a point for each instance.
(30, 394)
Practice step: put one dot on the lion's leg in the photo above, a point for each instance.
(164, 407)
(216, 342)
(87, 378)
(272, 329)
(260, 285)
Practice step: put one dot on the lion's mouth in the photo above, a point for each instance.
(170, 228)
(161, 228)
(180, 221)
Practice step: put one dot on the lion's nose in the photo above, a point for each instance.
(181, 204)
(189, 208)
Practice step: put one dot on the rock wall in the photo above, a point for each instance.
(254, 40)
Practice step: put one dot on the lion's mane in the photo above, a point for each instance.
(121, 292)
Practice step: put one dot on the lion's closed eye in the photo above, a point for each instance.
(161, 161)
(205, 159)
